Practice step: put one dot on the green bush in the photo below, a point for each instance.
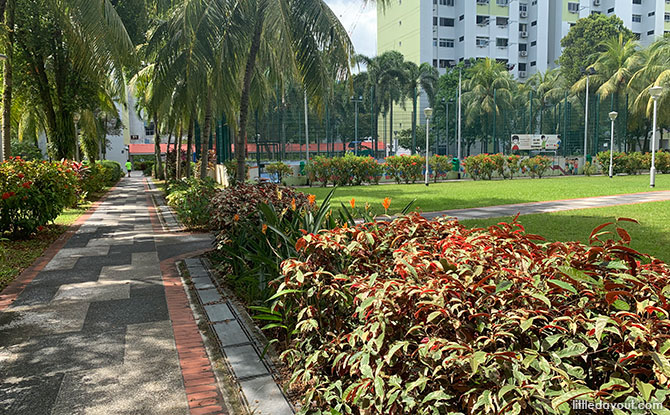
(481, 166)
(405, 168)
(111, 171)
(279, 169)
(191, 199)
(440, 166)
(27, 151)
(603, 159)
(536, 166)
(345, 171)
(421, 316)
(34, 193)
(589, 169)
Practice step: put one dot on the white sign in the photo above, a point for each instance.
(537, 142)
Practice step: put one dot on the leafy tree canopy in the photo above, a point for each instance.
(585, 38)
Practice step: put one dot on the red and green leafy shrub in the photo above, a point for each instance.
(344, 171)
(619, 159)
(247, 250)
(536, 166)
(480, 166)
(34, 193)
(405, 168)
(279, 169)
(662, 161)
(421, 316)
(440, 166)
(512, 163)
(191, 199)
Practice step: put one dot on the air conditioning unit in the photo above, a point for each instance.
(523, 34)
(482, 44)
(523, 53)
(522, 74)
(483, 22)
(596, 2)
(523, 14)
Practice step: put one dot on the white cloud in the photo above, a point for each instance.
(360, 21)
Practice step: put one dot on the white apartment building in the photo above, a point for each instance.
(525, 34)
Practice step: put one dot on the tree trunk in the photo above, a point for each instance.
(158, 166)
(189, 144)
(7, 83)
(178, 153)
(167, 151)
(204, 141)
(391, 123)
(241, 139)
(413, 121)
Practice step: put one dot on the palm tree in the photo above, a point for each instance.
(420, 77)
(488, 91)
(548, 89)
(84, 59)
(653, 70)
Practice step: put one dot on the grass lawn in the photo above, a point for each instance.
(651, 235)
(467, 194)
(19, 254)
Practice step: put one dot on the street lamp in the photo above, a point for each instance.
(76, 117)
(428, 111)
(356, 101)
(613, 116)
(589, 71)
(655, 93)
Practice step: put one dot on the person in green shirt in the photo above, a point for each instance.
(129, 167)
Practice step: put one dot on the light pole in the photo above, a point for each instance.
(356, 101)
(613, 116)
(655, 93)
(306, 130)
(428, 111)
(589, 71)
(76, 118)
(460, 90)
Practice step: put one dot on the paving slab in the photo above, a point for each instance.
(230, 333)
(218, 312)
(202, 283)
(264, 397)
(94, 291)
(245, 361)
(207, 296)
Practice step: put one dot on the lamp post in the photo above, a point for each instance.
(3, 57)
(460, 90)
(428, 111)
(589, 71)
(306, 131)
(655, 93)
(613, 116)
(356, 101)
(76, 118)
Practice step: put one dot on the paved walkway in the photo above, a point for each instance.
(105, 326)
(551, 206)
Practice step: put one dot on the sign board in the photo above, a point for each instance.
(536, 142)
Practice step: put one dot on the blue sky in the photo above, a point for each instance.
(360, 22)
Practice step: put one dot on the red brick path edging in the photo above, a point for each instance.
(202, 391)
(12, 291)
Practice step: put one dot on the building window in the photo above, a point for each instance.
(667, 17)
(444, 63)
(502, 2)
(450, 3)
(573, 7)
(533, 43)
(400, 43)
(533, 3)
(461, 17)
(149, 129)
(435, 63)
(482, 41)
(447, 43)
(522, 66)
(523, 27)
(637, 18)
(651, 14)
(637, 1)
(434, 41)
(595, 12)
(610, 10)
(533, 63)
(533, 23)
(462, 38)
(637, 36)
(649, 33)
(446, 22)
(523, 7)
(523, 47)
(482, 20)
(399, 22)
(443, 43)
(502, 21)
(434, 21)
(502, 42)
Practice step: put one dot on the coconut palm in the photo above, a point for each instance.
(489, 90)
(419, 78)
(653, 70)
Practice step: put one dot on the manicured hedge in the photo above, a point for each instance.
(421, 316)
(344, 171)
(633, 162)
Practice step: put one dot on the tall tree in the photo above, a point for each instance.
(585, 38)
(420, 78)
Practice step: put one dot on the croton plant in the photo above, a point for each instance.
(419, 316)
